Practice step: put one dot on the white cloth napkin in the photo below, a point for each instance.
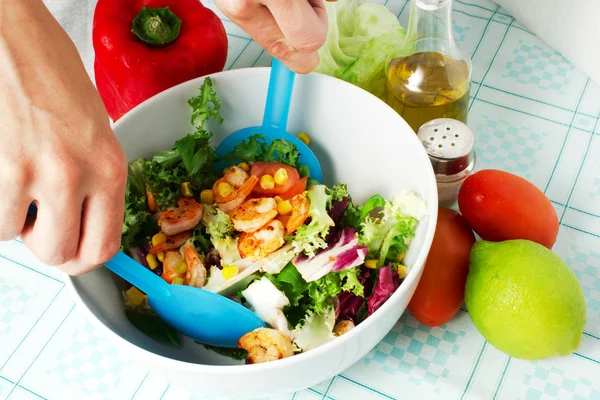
(571, 27)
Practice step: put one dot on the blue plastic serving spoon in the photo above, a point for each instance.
(197, 313)
(274, 126)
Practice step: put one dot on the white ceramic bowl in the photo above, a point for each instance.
(358, 139)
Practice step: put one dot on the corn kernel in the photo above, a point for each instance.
(281, 176)
(371, 264)
(229, 271)
(134, 296)
(401, 256)
(158, 239)
(186, 189)
(181, 268)
(277, 199)
(267, 182)
(284, 207)
(207, 197)
(402, 270)
(152, 261)
(305, 193)
(303, 136)
(244, 166)
(177, 281)
(225, 189)
(160, 256)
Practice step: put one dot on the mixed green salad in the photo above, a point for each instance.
(303, 256)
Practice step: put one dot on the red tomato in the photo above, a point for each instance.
(269, 168)
(441, 290)
(501, 206)
(298, 188)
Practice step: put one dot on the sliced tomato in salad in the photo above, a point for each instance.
(270, 168)
(298, 188)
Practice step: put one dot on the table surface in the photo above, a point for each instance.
(533, 114)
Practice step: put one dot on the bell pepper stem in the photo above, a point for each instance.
(156, 26)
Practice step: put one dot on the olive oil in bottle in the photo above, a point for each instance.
(426, 86)
(433, 80)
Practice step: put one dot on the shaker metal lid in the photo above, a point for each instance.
(449, 144)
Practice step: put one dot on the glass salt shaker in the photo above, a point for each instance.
(449, 144)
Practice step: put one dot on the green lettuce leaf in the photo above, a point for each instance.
(375, 201)
(196, 152)
(314, 297)
(138, 224)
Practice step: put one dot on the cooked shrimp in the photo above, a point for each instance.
(254, 214)
(152, 205)
(265, 344)
(259, 244)
(343, 327)
(185, 217)
(242, 185)
(172, 243)
(172, 259)
(196, 272)
(300, 208)
(284, 218)
(236, 176)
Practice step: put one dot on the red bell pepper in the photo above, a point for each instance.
(143, 47)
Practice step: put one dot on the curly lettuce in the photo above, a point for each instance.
(312, 237)
(256, 148)
(218, 224)
(389, 232)
(316, 330)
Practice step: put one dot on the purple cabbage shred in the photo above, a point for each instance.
(387, 283)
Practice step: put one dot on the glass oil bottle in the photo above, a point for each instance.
(432, 78)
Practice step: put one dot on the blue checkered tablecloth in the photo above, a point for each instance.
(533, 114)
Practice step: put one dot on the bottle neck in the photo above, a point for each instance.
(430, 26)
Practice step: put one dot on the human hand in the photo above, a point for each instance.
(56, 146)
(291, 31)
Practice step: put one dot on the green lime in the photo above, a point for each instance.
(524, 299)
